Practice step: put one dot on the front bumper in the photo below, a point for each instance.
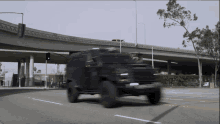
(141, 89)
(141, 86)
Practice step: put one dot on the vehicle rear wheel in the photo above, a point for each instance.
(154, 98)
(108, 94)
(72, 93)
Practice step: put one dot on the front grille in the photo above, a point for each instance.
(143, 76)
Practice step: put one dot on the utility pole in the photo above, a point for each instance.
(136, 21)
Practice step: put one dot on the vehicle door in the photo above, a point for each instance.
(91, 72)
(75, 70)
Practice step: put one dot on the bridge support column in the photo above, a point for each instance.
(21, 73)
(27, 72)
(18, 81)
(31, 71)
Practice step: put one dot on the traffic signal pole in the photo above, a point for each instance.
(47, 58)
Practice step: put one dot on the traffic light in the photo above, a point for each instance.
(21, 30)
(47, 56)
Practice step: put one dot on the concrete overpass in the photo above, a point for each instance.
(46, 41)
(38, 40)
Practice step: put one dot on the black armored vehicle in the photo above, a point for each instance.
(112, 75)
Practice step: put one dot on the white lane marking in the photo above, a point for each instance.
(137, 119)
(176, 99)
(202, 101)
(47, 101)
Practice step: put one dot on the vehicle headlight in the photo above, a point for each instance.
(124, 74)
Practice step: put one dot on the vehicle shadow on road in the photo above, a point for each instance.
(128, 102)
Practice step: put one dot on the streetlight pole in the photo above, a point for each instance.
(144, 32)
(13, 13)
(136, 21)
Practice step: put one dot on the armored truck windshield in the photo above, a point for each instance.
(122, 59)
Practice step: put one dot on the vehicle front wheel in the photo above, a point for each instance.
(154, 97)
(72, 93)
(108, 94)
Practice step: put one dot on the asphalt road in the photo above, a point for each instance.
(178, 106)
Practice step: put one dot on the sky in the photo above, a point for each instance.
(107, 20)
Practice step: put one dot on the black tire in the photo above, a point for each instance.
(154, 98)
(108, 94)
(72, 93)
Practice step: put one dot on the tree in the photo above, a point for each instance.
(211, 44)
(180, 17)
